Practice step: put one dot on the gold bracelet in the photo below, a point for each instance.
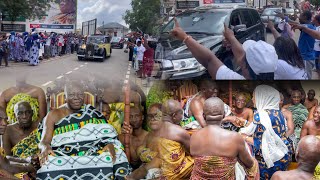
(186, 38)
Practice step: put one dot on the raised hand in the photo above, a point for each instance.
(228, 33)
(178, 32)
(270, 25)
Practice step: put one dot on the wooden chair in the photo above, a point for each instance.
(185, 91)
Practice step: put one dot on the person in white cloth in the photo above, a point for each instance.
(267, 132)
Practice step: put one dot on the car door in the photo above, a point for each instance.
(253, 23)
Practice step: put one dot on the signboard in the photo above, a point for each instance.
(187, 4)
(89, 27)
(61, 17)
(13, 27)
(6, 17)
(208, 1)
(231, 1)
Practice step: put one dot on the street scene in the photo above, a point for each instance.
(159, 89)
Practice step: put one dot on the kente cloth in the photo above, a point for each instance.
(117, 115)
(146, 155)
(175, 163)
(78, 142)
(22, 97)
(28, 146)
(213, 167)
(300, 115)
(278, 126)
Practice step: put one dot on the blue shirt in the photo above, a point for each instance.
(306, 44)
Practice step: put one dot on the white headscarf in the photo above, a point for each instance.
(273, 148)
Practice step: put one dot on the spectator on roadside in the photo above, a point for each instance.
(4, 50)
(316, 22)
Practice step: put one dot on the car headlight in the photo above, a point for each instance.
(190, 63)
(166, 65)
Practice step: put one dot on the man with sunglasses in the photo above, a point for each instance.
(19, 139)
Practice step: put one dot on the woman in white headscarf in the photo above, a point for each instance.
(267, 132)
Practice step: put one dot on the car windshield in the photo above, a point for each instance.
(207, 22)
(97, 40)
(270, 12)
(115, 39)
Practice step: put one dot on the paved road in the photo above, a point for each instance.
(48, 71)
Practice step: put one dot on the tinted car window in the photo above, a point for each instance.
(246, 18)
(270, 12)
(255, 16)
(235, 19)
(200, 21)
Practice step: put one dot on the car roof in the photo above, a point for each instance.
(228, 7)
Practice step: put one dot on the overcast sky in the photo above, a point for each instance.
(103, 10)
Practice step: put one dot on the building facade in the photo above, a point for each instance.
(114, 29)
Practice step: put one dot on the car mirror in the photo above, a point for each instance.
(240, 28)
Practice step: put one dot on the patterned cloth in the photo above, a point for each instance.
(28, 146)
(175, 163)
(278, 125)
(22, 97)
(148, 62)
(317, 171)
(117, 115)
(78, 142)
(300, 115)
(146, 155)
(34, 54)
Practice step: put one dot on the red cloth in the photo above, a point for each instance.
(148, 62)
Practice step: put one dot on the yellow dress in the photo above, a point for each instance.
(176, 164)
(22, 97)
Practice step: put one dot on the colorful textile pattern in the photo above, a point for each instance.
(34, 54)
(146, 155)
(28, 146)
(213, 167)
(300, 115)
(78, 142)
(278, 125)
(117, 115)
(317, 171)
(22, 97)
(175, 163)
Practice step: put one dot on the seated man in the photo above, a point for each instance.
(10, 169)
(307, 156)
(174, 143)
(310, 100)
(20, 139)
(216, 160)
(148, 151)
(137, 135)
(74, 142)
(24, 92)
(240, 110)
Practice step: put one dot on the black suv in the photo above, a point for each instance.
(206, 25)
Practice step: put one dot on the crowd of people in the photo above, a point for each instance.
(284, 60)
(33, 47)
(263, 135)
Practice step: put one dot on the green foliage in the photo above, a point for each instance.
(315, 2)
(158, 94)
(144, 15)
(29, 9)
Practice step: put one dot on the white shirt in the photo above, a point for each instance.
(224, 73)
(140, 52)
(317, 43)
(285, 71)
(48, 42)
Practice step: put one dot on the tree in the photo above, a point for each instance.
(29, 9)
(144, 15)
(315, 2)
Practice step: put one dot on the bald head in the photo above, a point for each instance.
(213, 109)
(308, 151)
(170, 106)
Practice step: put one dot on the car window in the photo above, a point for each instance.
(107, 39)
(235, 19)
(255, 17)
(246, 18)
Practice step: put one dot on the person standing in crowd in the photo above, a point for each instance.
(60, 44)
(34, 51)
(11, 45)
(316, 22)
(306, 43)
(47, 47)
(139, 58)
(267, 132)
(4, 50)
(148, 60)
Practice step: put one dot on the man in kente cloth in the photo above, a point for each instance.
(216, 160)
(14, 168)
(21, 138)
(307, 156)
(24, 92)
(78, 143)
(299, 113)
(174, 144)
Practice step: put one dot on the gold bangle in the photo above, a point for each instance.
(186, 38)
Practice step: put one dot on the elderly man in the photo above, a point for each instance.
(20, 139)
(174, 143)
(307, 156)
(240, 110)
(9, 169)
(75, 141)
(24, 92)
(220, 158)
(310, 102)
(312, 126)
